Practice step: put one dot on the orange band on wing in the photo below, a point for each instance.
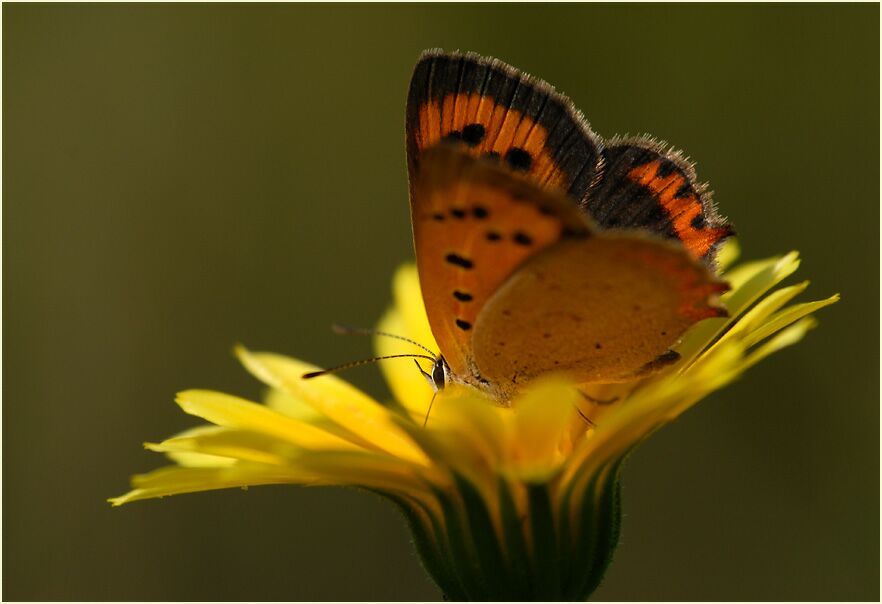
(682, 210)
(505, 129)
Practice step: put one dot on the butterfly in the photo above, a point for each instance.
(540, 247)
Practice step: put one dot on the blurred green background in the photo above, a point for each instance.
(178, 178)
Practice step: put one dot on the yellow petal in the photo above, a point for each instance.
(770, 273)
(230, 443)
(742, 273)
(192, 459)
(542, 417)
(365, 469)
(757, 316)
(234, 412)
(782, 319)
(768, 305)
(409, 302)
(654, 403)
(287, 404)
(784, 338)
(196, 460)
(174, 480)
(660, 401)
(728, 253)
(749, 282)
(472, 421)
(368, 470)
(296, 408)
(407, 317)
(407, 384)
(337, 400)
(466, 433)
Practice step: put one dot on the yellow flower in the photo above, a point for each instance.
(514, 503)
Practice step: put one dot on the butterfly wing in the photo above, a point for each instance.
(604, 309)
(474, 224)
(517, 281)
(515, 278)
(499, 112)
(646, 186)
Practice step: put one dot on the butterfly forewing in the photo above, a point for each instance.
(474, 224)
(500, 113)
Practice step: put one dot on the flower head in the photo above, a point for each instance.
(505, 503)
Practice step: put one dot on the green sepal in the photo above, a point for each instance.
(545, 555)
(558, 552)
(428, 541)
(516, 548)
(462, 555)
(597, 532)
(486, 542)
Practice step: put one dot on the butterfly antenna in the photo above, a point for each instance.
(346, 330)
(429, 410)
(313, 374)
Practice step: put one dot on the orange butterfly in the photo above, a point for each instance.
(540, 247)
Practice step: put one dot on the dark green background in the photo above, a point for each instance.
(179, 178)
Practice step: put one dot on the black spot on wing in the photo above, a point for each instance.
(473, 134)
(518, 159)
(569, 140)
(665, 168)
(522, 238)
(459, 261)
(567, 233)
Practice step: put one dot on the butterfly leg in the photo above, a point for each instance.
(588, 421)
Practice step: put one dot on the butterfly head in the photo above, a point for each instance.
(439, 376)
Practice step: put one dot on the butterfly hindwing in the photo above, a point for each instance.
(645, 186)
(498, 112)
(603, 309)
(474, 224)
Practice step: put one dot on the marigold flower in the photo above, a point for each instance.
(514, 503)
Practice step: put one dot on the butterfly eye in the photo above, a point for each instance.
(439, 374)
